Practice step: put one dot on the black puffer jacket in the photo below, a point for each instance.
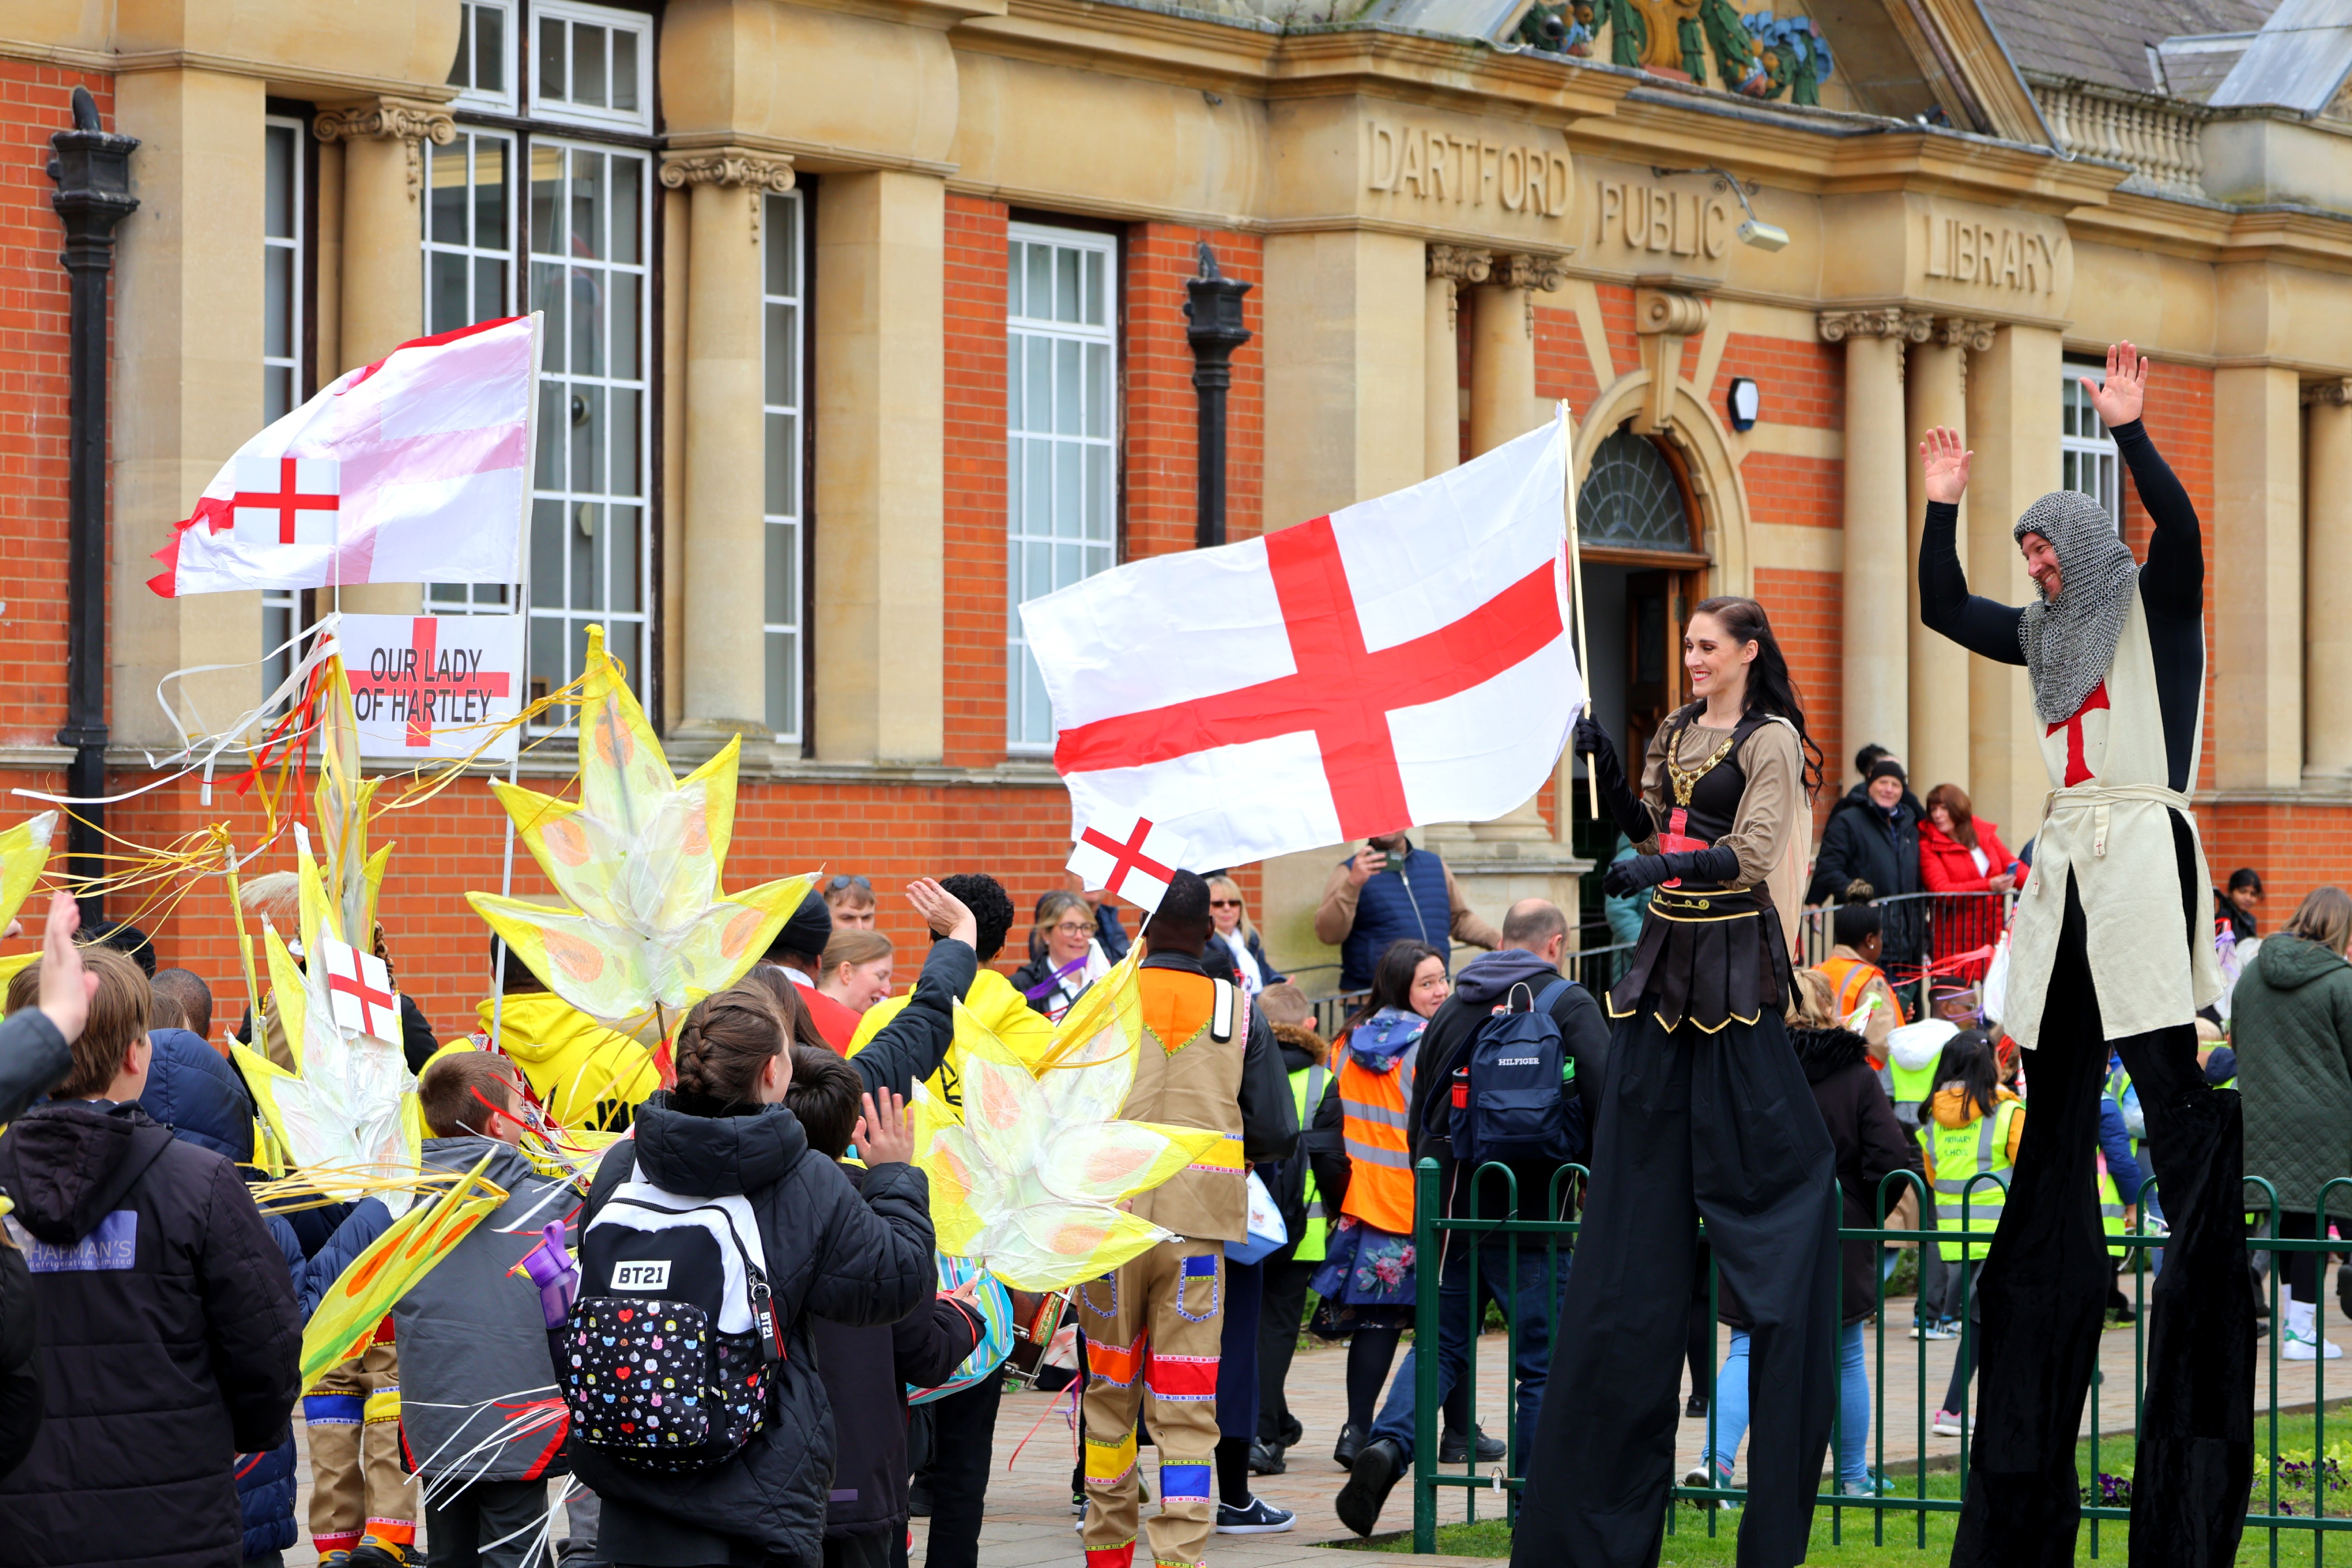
(1864, 844)
(857, 1259)
(866, 1374)
(33, 1058)
(170, 1340)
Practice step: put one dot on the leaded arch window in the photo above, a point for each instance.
(1631, 498)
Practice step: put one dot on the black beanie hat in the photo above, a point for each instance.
(805, 934)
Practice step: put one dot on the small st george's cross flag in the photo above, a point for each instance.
(1400, 661)
(1129, 857)
(413, 470)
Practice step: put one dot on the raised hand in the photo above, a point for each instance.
(944, 911)
(885, 1134)
(2120, 400)
(1946, 460)
(66, 985)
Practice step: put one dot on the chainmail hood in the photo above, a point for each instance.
(2070, 640)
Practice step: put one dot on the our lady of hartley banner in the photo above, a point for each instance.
(1400, 661)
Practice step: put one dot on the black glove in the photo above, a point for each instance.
(1715, 864)
(1592, 742)
(1631, 876)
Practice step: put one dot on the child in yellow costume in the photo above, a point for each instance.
(992, 1000)
(587, 1077)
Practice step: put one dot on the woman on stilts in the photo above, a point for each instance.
(2111, 950)
(1705, 1111)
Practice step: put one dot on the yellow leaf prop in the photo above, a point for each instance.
(345, 800)
(350, 1101)
(639, 860)
(24, 853)
(1027, 1186)
(359, 1297)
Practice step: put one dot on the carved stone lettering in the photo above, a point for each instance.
(1662, 220)
(1436, 165)
(2018, 260)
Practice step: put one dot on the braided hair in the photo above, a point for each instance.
(723, 1047)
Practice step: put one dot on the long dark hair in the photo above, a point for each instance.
(1393, 980)
(1771, 688)
(1969, 1060)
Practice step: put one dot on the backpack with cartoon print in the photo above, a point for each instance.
(668, 1353)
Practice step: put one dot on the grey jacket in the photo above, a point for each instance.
(2291, 1021)
(473, 1339)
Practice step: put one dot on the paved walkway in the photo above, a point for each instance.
(1029, 1520)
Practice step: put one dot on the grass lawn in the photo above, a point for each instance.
(1843, 1537)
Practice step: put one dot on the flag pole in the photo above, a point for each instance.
(522, 609)
(1576, 586)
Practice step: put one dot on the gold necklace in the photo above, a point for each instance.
(1685, 780)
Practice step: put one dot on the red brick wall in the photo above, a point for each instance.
(1803, 383)
(451, 845)
(974, 625)
(2294, 849)
(35, 100)
(1161, 410)
(1805, 607)
(1562, 368)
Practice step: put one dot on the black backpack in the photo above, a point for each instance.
(667, 1358)
(1515, 1093)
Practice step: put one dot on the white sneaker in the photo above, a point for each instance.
(2296, 1345)
(1948, 1423)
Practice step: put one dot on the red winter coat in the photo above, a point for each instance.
(1963, 925)
(1947, 866)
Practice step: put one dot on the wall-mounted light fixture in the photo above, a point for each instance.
(1754, 231)
(1743, 403)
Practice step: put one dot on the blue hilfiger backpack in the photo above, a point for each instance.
(1515, 1093)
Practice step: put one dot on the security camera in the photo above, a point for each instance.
(1763, 236)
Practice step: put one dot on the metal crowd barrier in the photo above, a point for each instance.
(1928, 937)
(2266, 1511)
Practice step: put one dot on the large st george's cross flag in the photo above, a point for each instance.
(1400, 661)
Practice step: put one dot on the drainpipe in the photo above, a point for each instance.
(92, 171)
(1212, 311)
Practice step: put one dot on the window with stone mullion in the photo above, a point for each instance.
(2087, 458)
(783, 411)
(284, 317)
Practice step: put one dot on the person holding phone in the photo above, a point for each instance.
(1388, 891)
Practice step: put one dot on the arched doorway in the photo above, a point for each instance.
(1641, 543)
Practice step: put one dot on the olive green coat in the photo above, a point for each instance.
(2291, 1023)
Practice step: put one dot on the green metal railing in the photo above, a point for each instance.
(1557, 1231)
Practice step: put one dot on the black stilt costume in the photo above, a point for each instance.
(1705, 1110)
(2110, 948)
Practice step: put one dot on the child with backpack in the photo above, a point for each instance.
(866, 1370)
(714, 1233)
(1367, 1278)
(477, 1418)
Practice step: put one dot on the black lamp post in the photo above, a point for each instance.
(92, 171)
(1212, 310)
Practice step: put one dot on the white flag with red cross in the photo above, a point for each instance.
(1400, 661)
(413, 470)
(1130, 857)
(360, 987)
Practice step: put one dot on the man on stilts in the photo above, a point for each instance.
(2111, 948)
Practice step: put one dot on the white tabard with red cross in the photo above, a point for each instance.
(2109, 824)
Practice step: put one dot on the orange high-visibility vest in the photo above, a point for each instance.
(1852, 977)
(1372, 1113)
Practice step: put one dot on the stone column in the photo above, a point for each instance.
(2256, 578)
(1503, 348)
(186, 383)
(1450, 267)
(879, 385)
(380, 302)
(1937, 376)
(2327, 579)
(2014, 421)
(724, 683)
(1874, 661)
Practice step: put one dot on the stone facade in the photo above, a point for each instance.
(1442, 236)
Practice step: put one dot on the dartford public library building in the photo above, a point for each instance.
(866, 323)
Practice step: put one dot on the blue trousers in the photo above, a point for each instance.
(1853, 1406)
(1529, 1311)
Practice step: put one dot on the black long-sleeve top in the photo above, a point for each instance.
(2171, 589)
